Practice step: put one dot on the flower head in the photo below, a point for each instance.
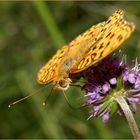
(108, 79)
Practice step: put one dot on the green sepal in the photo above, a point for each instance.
(114, 107)
(119, 83)
(106, 105)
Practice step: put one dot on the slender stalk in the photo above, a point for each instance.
(129, 116)
(49, 22)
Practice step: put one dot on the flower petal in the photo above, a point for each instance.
(113, 81)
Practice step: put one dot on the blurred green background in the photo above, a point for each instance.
(30, 33)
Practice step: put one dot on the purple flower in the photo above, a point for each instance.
(113, 81)
(105, 80)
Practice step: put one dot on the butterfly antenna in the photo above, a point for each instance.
(45, 102)
(22, 99)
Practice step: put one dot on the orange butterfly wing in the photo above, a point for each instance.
(110, 40)
(48, 72)
(90, 41)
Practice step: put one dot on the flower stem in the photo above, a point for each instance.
(129, 116)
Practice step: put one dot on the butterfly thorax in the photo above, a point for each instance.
(62, 80)
(72, 55)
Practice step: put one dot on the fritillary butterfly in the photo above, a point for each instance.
(86, 50)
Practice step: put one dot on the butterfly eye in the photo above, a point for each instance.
(62, 83)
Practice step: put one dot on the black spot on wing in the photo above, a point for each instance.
(101, 46)
(112, 36)
(94, 47)
(108, 34)
(109, 21)
(120, 37)
(93, 56)
(108, 43)
(101, 53)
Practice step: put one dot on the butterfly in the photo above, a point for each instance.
(85, 50)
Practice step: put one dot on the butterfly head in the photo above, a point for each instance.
(62, 83)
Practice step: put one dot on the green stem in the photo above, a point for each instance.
(129, 116)
(49, 22)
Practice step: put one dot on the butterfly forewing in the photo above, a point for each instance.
(47, 72)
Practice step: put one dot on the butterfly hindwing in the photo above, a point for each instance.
(87, 49)
(111, 40)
